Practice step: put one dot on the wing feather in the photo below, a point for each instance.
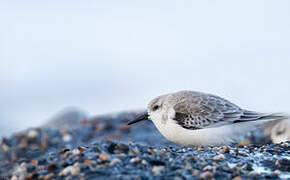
(199, 111)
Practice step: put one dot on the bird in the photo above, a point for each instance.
(192, 118)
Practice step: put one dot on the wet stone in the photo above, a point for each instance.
(103, 157)
(206, 175)
(157, 169)
(52, 167)
(82, 149)
(226, 149)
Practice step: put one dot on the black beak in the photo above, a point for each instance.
(139, 118)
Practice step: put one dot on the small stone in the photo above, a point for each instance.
(23, 143)
(285, 144)
(34, 162)
(144, 162)
(76, 152)
(44, 141)
(157, 169)
(14, 178)
(48, 176)
(195, 172)
(115, 161)
(207, 168)
(33, 133)
(187, 165)
(88, 162)
(103, 157)
(75, 171)
(277, 172)
(254, 174)
(41, 168)
(155, 151)
(31, 176)
(246, 142)
(237, 178)
(122, 147)
(163, 151)
(177, 178)
(248, 167)
(206, 175)
(82, 176)
(51, 167)
(65, 171)
(226, 149)
(5, 148)
(64, 150)
(135, 160)
(82, 149)
(67, 138)
(219, 157)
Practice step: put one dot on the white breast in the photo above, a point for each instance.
(210, 136)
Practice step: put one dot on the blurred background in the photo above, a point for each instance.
(110, 56)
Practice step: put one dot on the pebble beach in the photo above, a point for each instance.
(104, 147)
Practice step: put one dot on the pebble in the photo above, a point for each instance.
(67, 138)
(52, 167)
(115, 161)
(237, 178)
(207, 168)
(248, 167)
(122, 147)
(14, 178)
(33, 133)
(157, 169)
(34, 162)
(144, 162)
(82, 149)
(226, 149)
(103, 157)
(76, 151)
(4, 146)
(75, 171)
(254, 174)
(246, 142)
(277, 172)
(48, 176)
(135, 160)
(88, 162)
(219, 157)
(195, 172)
(65, 171)
(206, 175)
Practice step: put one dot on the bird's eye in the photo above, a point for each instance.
(155, 107)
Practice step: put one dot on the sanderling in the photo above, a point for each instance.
(193, 118)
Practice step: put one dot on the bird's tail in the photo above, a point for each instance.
(275, 116)
(255, 116)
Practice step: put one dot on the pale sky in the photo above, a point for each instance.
(109, 56)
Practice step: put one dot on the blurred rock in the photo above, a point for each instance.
(67, 118)
(281, 131)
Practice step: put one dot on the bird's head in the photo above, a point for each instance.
(154, 110)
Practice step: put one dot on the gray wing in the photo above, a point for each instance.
(201, 111)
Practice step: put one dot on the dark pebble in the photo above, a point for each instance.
(52, 167)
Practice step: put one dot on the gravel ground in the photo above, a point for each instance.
(105, 148)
